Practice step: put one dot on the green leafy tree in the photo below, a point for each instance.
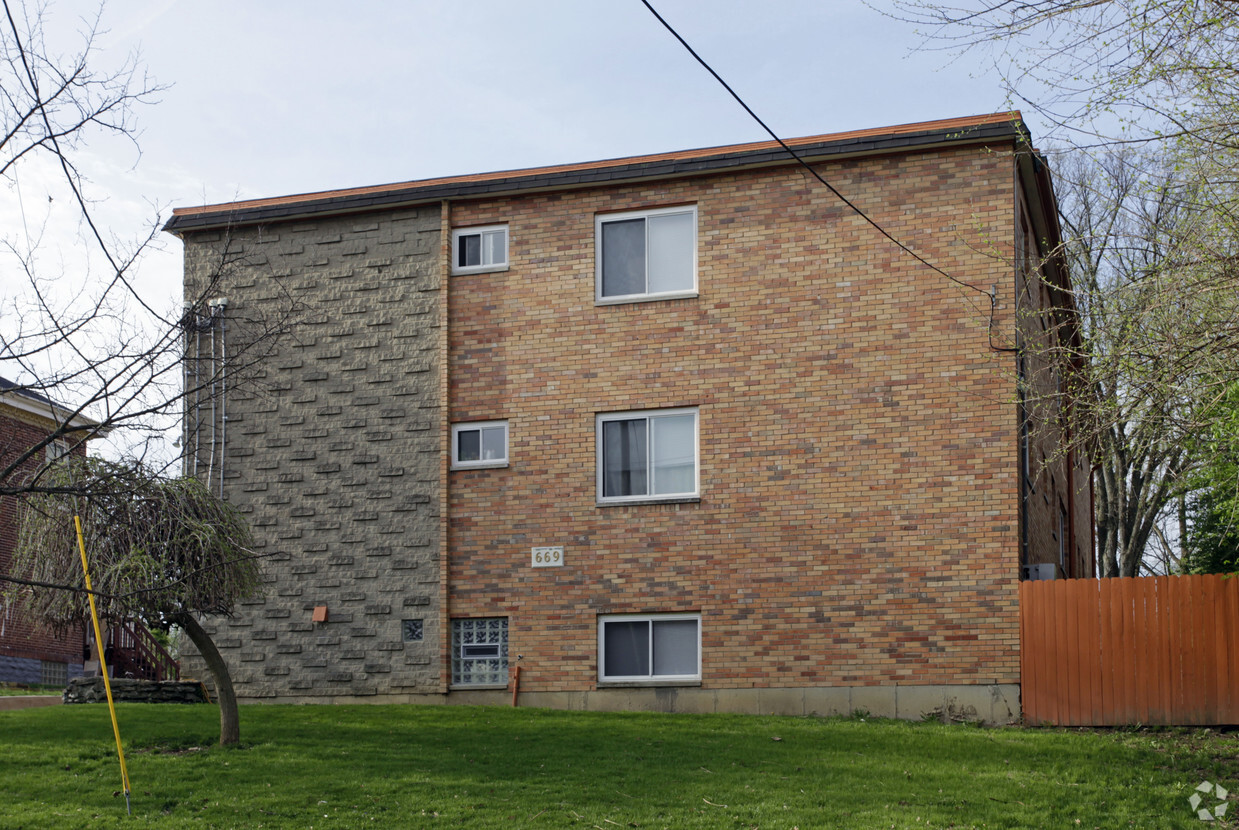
(1212, 527)
(160, 549)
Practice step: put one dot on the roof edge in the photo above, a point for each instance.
(55, 413)
(1006, 126)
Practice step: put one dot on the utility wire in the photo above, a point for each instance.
(826, 184)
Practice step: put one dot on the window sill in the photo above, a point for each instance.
(645, 298)
(481, 269)
(645, 684)
(492, 465)
(640, 502)
(478, 687)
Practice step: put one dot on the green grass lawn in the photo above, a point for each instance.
(448, 766)
(7, 689)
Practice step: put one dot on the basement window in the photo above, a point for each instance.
(480, 651)
(660, 648)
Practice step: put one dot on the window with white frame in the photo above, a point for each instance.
(475, 250)
(646, 255)
(57, 450)
(480, 651)
(647, 455)
(481, 444)
(658, 648)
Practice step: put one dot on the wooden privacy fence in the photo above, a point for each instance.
(1155, 650)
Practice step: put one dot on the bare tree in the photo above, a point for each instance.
(162, 550)
(1122, 216)
(1151, 232)
(85, 339)
(1105, 71)
(89, 340)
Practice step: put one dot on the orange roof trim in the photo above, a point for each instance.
(921, 126)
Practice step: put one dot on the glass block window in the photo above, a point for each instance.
(480, 652)
(54, 674)
(412, 630)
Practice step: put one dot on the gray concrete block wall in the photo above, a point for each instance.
(20, 670)
(333, 452)
(30, 671)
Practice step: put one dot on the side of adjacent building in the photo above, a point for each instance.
(678, 432)
(30, 653)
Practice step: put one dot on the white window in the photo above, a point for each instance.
(647, 455)
(646, 255)
(661, 648)
(475, 250)
(57, 450)
(480, 652)
(481, 444)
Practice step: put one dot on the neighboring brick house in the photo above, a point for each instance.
(31, 653)
(678, 431)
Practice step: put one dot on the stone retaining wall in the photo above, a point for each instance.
(124, 690)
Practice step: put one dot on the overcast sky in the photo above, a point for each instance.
(269, 98)
(272, 97)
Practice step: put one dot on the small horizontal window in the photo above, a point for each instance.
(647, 455)
(483, 444)
(646, 255)
(661, 648)
(475, 250)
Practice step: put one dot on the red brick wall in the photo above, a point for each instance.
(1057, 480)
(858, 520)
(18, 637)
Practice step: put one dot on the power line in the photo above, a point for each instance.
(826, 184)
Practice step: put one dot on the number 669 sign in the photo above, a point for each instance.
(547, 557)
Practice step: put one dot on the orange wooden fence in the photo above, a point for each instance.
(1155, 650)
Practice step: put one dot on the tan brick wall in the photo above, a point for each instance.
(858, 519)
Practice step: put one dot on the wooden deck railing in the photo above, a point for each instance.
(135, 653)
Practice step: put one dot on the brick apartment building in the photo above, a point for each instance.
(30, 653)
(679, 431)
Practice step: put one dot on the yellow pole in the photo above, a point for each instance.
(103, 666)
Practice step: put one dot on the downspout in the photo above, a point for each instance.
(214, 391)
(445, 449)
(222, 304)
(186, 372)
(1092, 525)
(197, 393)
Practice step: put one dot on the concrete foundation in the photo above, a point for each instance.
(997, 704)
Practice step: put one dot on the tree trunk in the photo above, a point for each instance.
(229, 720)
